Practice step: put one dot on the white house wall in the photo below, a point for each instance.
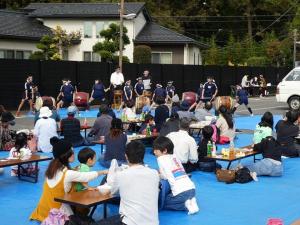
(18, 45)
(189, 51)
(196, 50)
(139, 23)
(76, 52)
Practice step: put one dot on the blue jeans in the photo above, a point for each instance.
(106, 163)
(267, 167)
(177, 202)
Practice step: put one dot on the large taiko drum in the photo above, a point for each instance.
(141, 101)
(147, 93)
(226, 101)
(190, 97)
(81, 99)
(40, 101)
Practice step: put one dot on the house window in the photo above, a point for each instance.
(96, 57)
(162, 57)
(87, 56)
(2, 56)
(10, 54)
(88, 29)
(194, 58)
(14, 54)
(107, 23)
(19, 54)
(65, 55)
(99, 28)
(26, 54)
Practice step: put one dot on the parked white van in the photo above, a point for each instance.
(288, 90)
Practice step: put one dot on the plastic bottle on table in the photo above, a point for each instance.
(209, 149)
(214, 149)
(85, 122)
(148, 130)
(231, 150)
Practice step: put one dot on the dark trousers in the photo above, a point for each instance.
(189, 167)
(114, 220)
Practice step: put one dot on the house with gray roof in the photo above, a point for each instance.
(20, 31)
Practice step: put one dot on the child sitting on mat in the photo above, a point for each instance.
(149, 120)
(182, 193)
(21, 151)
(87, 159)
(206, 165)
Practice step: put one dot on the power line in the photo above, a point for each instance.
(206, 16)
(276, 20)
(226, 21)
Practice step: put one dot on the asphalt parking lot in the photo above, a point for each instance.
(261, 105)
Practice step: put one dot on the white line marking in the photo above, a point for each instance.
(274, 107)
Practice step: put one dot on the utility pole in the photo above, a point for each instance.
(295, 47)
(121, 34)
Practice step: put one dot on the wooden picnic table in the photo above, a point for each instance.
(86, 199)
(198, 126)
(19, 162)
(82, 127)
(220, 157)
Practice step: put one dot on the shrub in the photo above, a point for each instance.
(257, 61)
(142, 54)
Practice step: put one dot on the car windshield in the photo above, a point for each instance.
(293, 76)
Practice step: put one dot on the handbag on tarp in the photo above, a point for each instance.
(227, 176)
(243, 176)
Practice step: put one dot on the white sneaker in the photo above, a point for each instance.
(194, 205)
(251, 115)
(13, 173)
(254, 176)
(188, 205)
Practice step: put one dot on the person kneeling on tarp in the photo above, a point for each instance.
(182, 193)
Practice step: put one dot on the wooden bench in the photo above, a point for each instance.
(87, 199)
(19, 162)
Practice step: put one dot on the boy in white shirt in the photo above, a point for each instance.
(138, 187)
(182, 195)
(185, 146)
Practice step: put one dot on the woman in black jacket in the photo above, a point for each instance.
(286, 131)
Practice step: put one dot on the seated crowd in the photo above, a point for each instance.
(143, 191)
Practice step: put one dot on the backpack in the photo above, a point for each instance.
(243, 176)
(55, 217)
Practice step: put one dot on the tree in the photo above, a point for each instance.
(212, 55)
(110, 45)
(64, 40)
(142, 54)
(48, 49)
(51, 47)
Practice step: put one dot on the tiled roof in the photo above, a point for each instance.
(79, 10)
(18, 25)
(156, 34)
